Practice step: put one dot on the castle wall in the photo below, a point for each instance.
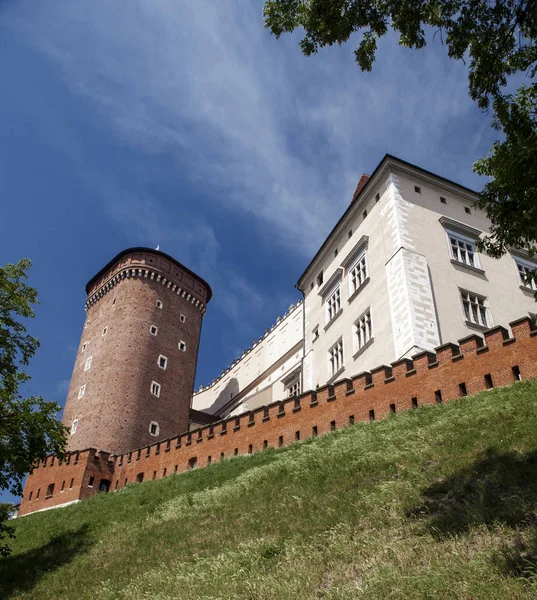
(453, 370)
(262, 370)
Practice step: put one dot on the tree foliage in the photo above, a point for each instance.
(496, 38)
(29, 429)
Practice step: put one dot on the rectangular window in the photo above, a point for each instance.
(363, 331)
(372, 414)
(74, 426)
(84, 346)
(293, 388)
(524, 269)
(153, 330)
(71, 484)
(155, 389)
(335, 358)
(91, 480)
(162, 362)
(182, 346)
(475, 308)
(332, 425)
(314, 431)
(182, 318)
(414, 402)
(81, 391)
(357, 274)
(104, 331)
(159, 304)
(87, 364)
(463, 249)
(333, 304)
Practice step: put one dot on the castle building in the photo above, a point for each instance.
(398, 277)
(134, 371)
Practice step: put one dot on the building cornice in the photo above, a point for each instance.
(130, 272)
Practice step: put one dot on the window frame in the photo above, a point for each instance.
(161, 356)
(469, 316)
(183, 349)
(465, 240)
(74, 426)
(526, 264)
(157, 430)
(151, 327)
(336, 358)
(357, 345)
(87, 364)
(332, 303)
(157, 390)
(81, 391)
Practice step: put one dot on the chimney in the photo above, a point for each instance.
(363, 180)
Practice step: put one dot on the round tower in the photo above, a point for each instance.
(134, 372)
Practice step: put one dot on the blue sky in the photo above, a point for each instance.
(184, 123)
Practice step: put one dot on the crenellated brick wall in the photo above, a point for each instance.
(474, 364)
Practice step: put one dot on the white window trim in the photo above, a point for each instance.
(355, 334)
(159, 304)
(81, 391)
(151, 327)
(161, 356)
(334, 295)
(156, 391)
(518, 260)
(337, 365)
(467, 240)
(486, 306)
(350, 269)
(74, 426)
(87, 364)
(157, 428)
(105, 331)
(182, 318)
(183, 344)
(84, 346)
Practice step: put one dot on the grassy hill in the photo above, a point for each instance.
(439, 502)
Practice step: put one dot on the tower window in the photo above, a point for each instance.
(320, 278)
(153, 330)
(350, 233)
(417, 189)
(162, 362)
(467, 210)
(87, 365)
(74, 426)
(154, 429)
(182, 318)
(81, 391)
(72, 483)
(155, 389)
(84, 346)
(182, 346)
(159, 304)
(50, 491)
(443, 200)
(91, 480)
(104, 331)
(377, 197)
(87, 324)
(364, 214)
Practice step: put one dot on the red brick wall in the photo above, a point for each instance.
(429, 377)
(71, 479)
(117, 407)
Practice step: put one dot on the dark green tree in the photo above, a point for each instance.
(495, 38)
(29, 429)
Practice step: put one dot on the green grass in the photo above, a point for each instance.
(439, 502)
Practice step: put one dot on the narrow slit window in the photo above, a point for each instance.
(84, 346)
(297, 436)
(265, 444)
(250, 448)
(372, 415)
(351, 419)
(516, 373)
(81, 391)
(462, 389)
(392, 409)
(438, 396)
(87, 364)
(280, 440)
(91, 481)
(332, 425)
(104, 331)
(314, 431)
(414, 402)
(488, 381)
(155, 389)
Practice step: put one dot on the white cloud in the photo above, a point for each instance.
(256, 125)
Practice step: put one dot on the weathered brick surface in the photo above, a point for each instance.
(117, 407)
(428, 378)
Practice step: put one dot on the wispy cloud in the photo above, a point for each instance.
(259, 127)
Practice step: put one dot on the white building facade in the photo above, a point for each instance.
(398, 274)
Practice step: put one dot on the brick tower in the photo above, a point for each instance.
(134, 372)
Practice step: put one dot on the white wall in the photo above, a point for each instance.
(269, 360)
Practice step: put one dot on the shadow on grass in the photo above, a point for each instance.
(497, 489)
(20, 573)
